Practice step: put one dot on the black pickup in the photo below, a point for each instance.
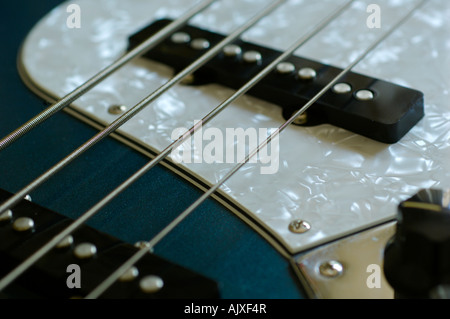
(386, 117)
(48, 277)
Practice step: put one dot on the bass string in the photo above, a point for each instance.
(210, 54)
(141, 253)
(198, 202)
(16, 272)
(103, 74)
(109, 281)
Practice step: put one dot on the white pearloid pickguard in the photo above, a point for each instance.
(336, 180)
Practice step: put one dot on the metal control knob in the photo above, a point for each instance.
(417, 258)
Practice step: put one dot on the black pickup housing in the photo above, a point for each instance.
(386, 118)
(47, 278)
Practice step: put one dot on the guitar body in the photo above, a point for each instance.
(340, 182)
(223, 247)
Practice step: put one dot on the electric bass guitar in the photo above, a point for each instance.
(306, 162)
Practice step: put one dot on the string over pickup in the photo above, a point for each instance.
(97, 255)
(371, 107)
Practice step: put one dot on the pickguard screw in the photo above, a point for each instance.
(117, 109)
(331, 269)
(302, 119)
(299, 226)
